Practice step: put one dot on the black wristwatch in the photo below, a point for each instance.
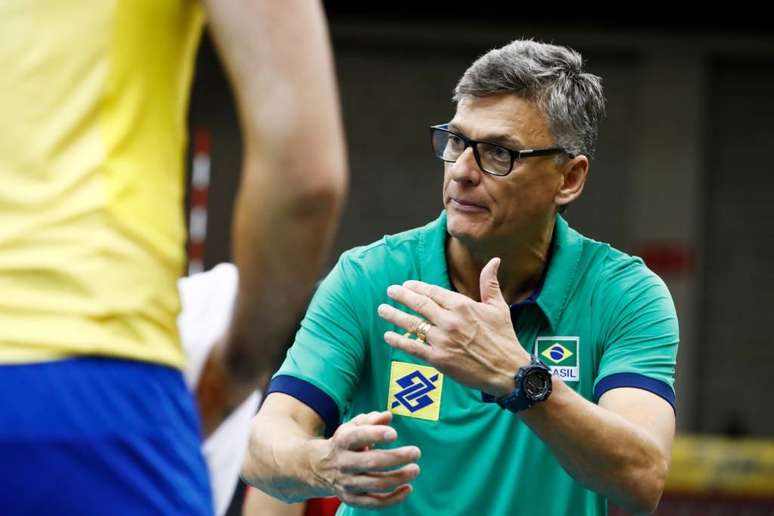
(532, 385)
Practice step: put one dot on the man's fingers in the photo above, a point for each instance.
(421, 304)
(410, 346)
(358, 437)
(489, 285)
(373, 478)
(372, 418)
(381, 482)
(441, 296)
(408, 322)
(360, 419)
(379, 418)
(378, 460)
(376, 500)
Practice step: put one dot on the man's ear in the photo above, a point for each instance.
(574, 173)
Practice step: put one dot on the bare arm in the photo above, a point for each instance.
(620, 448)
(288, 460)
(258, 503)
(278, 59)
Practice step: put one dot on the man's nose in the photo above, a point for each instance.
(466, 169)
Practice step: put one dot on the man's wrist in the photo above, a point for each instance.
(319, 451)
(532, 385)
(504, 383)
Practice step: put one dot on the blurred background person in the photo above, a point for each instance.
(94, 99)
(207, 301)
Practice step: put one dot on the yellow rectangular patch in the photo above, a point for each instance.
(415, 391)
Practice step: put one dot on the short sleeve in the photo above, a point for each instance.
(640, 333)
(323, 365)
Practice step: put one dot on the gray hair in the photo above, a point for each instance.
(553, 78)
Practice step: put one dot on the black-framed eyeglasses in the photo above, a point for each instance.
(493, 159)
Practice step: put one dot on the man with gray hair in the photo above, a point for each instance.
(525, 368)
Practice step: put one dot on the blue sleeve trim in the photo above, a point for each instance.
(636, 381)
(310, 395)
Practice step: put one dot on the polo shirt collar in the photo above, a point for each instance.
(562, 272)
(554, 291)
(433, 268)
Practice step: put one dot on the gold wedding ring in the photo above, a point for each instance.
(422, 329)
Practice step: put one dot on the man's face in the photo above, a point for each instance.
(481, 207)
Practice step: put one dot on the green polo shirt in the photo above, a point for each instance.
(601, 320)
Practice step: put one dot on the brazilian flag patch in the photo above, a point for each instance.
(561, 355)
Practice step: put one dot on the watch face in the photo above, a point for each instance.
(537, 384)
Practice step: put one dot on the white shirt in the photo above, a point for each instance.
(207, 302)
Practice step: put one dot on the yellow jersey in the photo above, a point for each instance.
(93, 104)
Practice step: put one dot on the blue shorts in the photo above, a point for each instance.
(97, 436)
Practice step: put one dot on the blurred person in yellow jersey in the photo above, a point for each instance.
(94, 413)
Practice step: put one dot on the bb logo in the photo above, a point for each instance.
(560, 354)
(415, 391)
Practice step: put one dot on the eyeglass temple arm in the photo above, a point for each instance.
(544, 152)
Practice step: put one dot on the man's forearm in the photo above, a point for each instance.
(279, 461)
(286, 460)
(294, 174)
(282, 236)
(281, 248)
(601, 449)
